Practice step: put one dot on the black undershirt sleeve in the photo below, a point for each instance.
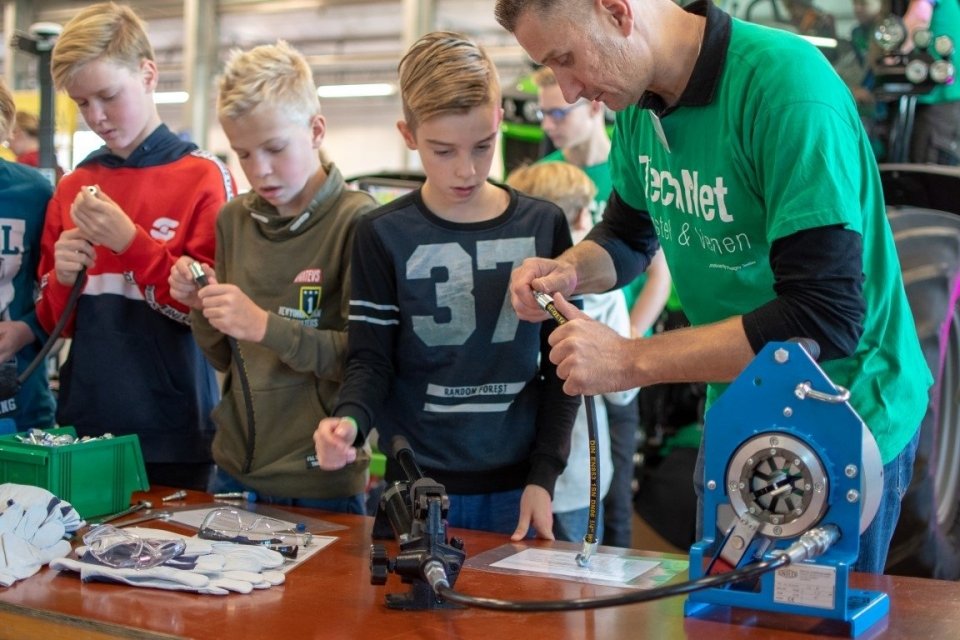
(628, 236)
(818, 281)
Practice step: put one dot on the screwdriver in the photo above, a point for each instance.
(143, 504)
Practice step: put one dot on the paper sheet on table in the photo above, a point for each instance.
(603, 567)
(306, 552)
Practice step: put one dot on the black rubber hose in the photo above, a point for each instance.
(748, 572)
(58, 329)
(201, 279)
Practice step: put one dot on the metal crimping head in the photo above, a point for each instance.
(546, 303)
(543, 299)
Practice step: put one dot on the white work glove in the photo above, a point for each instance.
(160, 577)
(227, 575)
(56, 510)
(155, 578)
(28, 540)
(247, 557)
(223, 560)
(200, 568)
(30, 523)
(229, 561)
(19, 559)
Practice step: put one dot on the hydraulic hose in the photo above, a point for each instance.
(196, 270)
(58, 328)
(590, 541)
(579, 604)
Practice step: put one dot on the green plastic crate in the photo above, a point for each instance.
(96, 477)
(378, 464)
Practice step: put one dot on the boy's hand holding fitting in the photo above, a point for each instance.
(101, 220)
(333, 441)
(183, 287)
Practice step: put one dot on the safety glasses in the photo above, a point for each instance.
(121, 549)
(243, 527)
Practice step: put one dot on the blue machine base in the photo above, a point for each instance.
(864, 609)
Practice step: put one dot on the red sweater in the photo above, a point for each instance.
(133, 366)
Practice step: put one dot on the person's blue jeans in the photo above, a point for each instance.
(497, 512)
(572, 525)
(223, 482)
(875, 541)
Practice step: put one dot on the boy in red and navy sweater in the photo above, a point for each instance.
(133, 367)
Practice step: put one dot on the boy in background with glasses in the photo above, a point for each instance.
(578, 131)
(436, 353)
(280, 287)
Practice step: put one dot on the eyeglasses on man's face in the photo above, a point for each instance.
(559, 113)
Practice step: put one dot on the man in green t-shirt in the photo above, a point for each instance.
(739, 150)
(936, 126)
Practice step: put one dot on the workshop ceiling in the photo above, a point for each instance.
(344, 40)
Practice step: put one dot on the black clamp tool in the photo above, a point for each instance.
(417, 511)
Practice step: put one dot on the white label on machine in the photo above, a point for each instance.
(807, 585)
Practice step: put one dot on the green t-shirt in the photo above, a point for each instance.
(599, 173)
(786, 152)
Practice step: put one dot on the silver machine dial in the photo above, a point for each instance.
(779, 481)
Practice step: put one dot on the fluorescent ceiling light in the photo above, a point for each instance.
(356, 90)
(825, 43)
(170, 97)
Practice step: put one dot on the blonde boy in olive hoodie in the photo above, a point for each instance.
(280, 287)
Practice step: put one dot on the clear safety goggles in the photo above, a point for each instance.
(243, 527)
(121, 549)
